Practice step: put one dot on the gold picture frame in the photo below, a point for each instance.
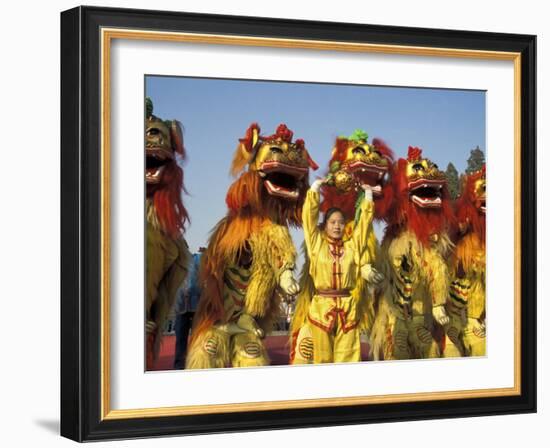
(90, 393)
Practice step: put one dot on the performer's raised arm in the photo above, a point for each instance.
(363, 225)
(310, 218)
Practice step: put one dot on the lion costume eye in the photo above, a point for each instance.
(276, 150)
(418, 167)
(358, 150)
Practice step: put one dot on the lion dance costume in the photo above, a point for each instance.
(250, 256)
(465, 333)
(415, 247)
(326, 328)
(167, 254)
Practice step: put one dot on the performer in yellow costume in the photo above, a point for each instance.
(335, 268)
(354, 161)
(465, 333)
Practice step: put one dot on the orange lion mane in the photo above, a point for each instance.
(347, 201)
(405, 215)
(167, 201)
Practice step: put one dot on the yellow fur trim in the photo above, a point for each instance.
(208, 351)
(272, 253)
(248, 351)
(307, 289)
(379, 328)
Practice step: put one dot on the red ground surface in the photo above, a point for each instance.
(277, 347)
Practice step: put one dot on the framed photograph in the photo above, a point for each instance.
(201, 294)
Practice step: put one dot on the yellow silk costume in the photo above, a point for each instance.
(334, 312)
(465, 333)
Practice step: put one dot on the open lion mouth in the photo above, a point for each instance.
(155, 162)
(426, 193)
(368, 173)
(282, 180)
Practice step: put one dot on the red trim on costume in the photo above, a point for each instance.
(333, 314)
(336, 249)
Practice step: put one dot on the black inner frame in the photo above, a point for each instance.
(81, 224)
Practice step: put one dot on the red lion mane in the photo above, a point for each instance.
(167, 200)
(468, 217)
(404, 214)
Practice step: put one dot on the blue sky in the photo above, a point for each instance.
(215, 113)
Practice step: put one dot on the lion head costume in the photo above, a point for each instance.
(354, 161)
(421, 201)
(163, 175)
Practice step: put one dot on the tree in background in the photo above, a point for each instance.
(475, 161)
(453, 183)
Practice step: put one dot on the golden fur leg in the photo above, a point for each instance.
(209, 351)
(421, 339)
(474, 339)
(454, 346)
(304, 346)
(248, 350)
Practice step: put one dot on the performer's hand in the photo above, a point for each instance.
(371, 275)
(478, 327)
(288, 283)
(150, 326)
(368, 191)
(316, 185)
(440, 315)
(247, 322)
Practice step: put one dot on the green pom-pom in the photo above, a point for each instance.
(148, 107)
(359, 135)
(334, 166)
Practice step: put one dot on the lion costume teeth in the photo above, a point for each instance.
(250, 251)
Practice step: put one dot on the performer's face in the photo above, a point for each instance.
(335, 226)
